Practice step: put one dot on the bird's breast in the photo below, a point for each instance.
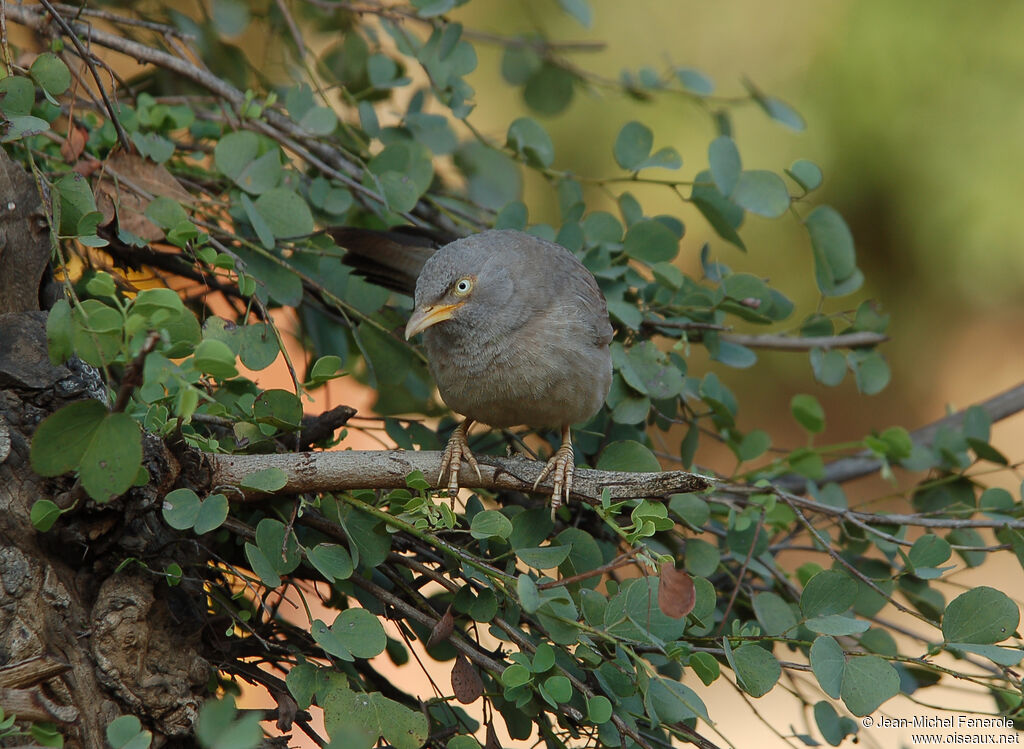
(547, 372)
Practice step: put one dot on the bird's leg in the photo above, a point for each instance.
(560, 467)
(455, 451)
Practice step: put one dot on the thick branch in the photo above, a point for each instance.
(863, 463)
(387, 469)
(796, 343)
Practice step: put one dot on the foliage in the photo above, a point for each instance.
(219, 190)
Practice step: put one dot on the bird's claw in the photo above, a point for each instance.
(455, 452)
(561, 467)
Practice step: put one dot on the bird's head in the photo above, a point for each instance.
(466, 282)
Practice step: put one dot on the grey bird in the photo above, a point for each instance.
(515, 328)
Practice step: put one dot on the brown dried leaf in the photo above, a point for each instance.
(125, 175)
(73, 146)
(442, 630)
(466, 682)
(676, 593)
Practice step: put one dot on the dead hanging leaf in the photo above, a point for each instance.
(442, 630)
(73, 145)
(676, 593)
(466, 682)
(128, 180)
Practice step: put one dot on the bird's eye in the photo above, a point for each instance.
(463, 286)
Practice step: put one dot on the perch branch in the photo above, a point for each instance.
(387, 469)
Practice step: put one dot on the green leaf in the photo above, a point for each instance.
(515, 676)
(580, 10)
(543, 557)
(828, 662)
(829, 366)
(126, 732)
(549, 91)
(828, 592)
(774, 614)
(1003, 656)
(280, 408)
(702, 558)
(212, 514)
(648, 370)
(282, 554)
(61, 440)
(835, 260)
(963, 620)
(181, 508)
(331, 560)
(724, 160)
(238, 156)
(529, 139)
(632, 145)
(695, 81)
(870, 371)
(356, 630)
(44, 514)
(267, 480)
(805, 173)
(628, 455)
(113, 458)
(929, 551)
(262, 566)
(706, 667)
(526, 589)
(868, 681)
(431, 8)
(674, 702)
(217, 728)
(762, 192)
(17, 95)
(559, 688)
(836, 625)
(599, 709)
(724, 216)
(214, 358)
(285, 212)
(808, 413)
(50, 72)
(757, 670)
(651, 241)
(490, 523)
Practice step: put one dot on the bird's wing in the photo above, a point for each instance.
(392, 259)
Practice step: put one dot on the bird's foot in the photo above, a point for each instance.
(561, 468)
(455, 452)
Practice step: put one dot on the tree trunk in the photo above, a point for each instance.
(82, 641)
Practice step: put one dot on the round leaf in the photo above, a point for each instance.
(632, 144)
(724, 160)
(868, 681)
(828, 592)
(762, 192)
(490, 523)
(808, 413)
(757, 670)
(982, 616)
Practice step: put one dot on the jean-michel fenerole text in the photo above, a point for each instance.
(952, 721)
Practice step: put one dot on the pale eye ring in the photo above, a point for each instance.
(463, 286)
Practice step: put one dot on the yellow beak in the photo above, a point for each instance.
(423, 317)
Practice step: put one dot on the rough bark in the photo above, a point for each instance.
(80, 642)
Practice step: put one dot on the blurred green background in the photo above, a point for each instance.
(913, 112)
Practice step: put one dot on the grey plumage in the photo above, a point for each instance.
(515, 328)
(530, 345)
